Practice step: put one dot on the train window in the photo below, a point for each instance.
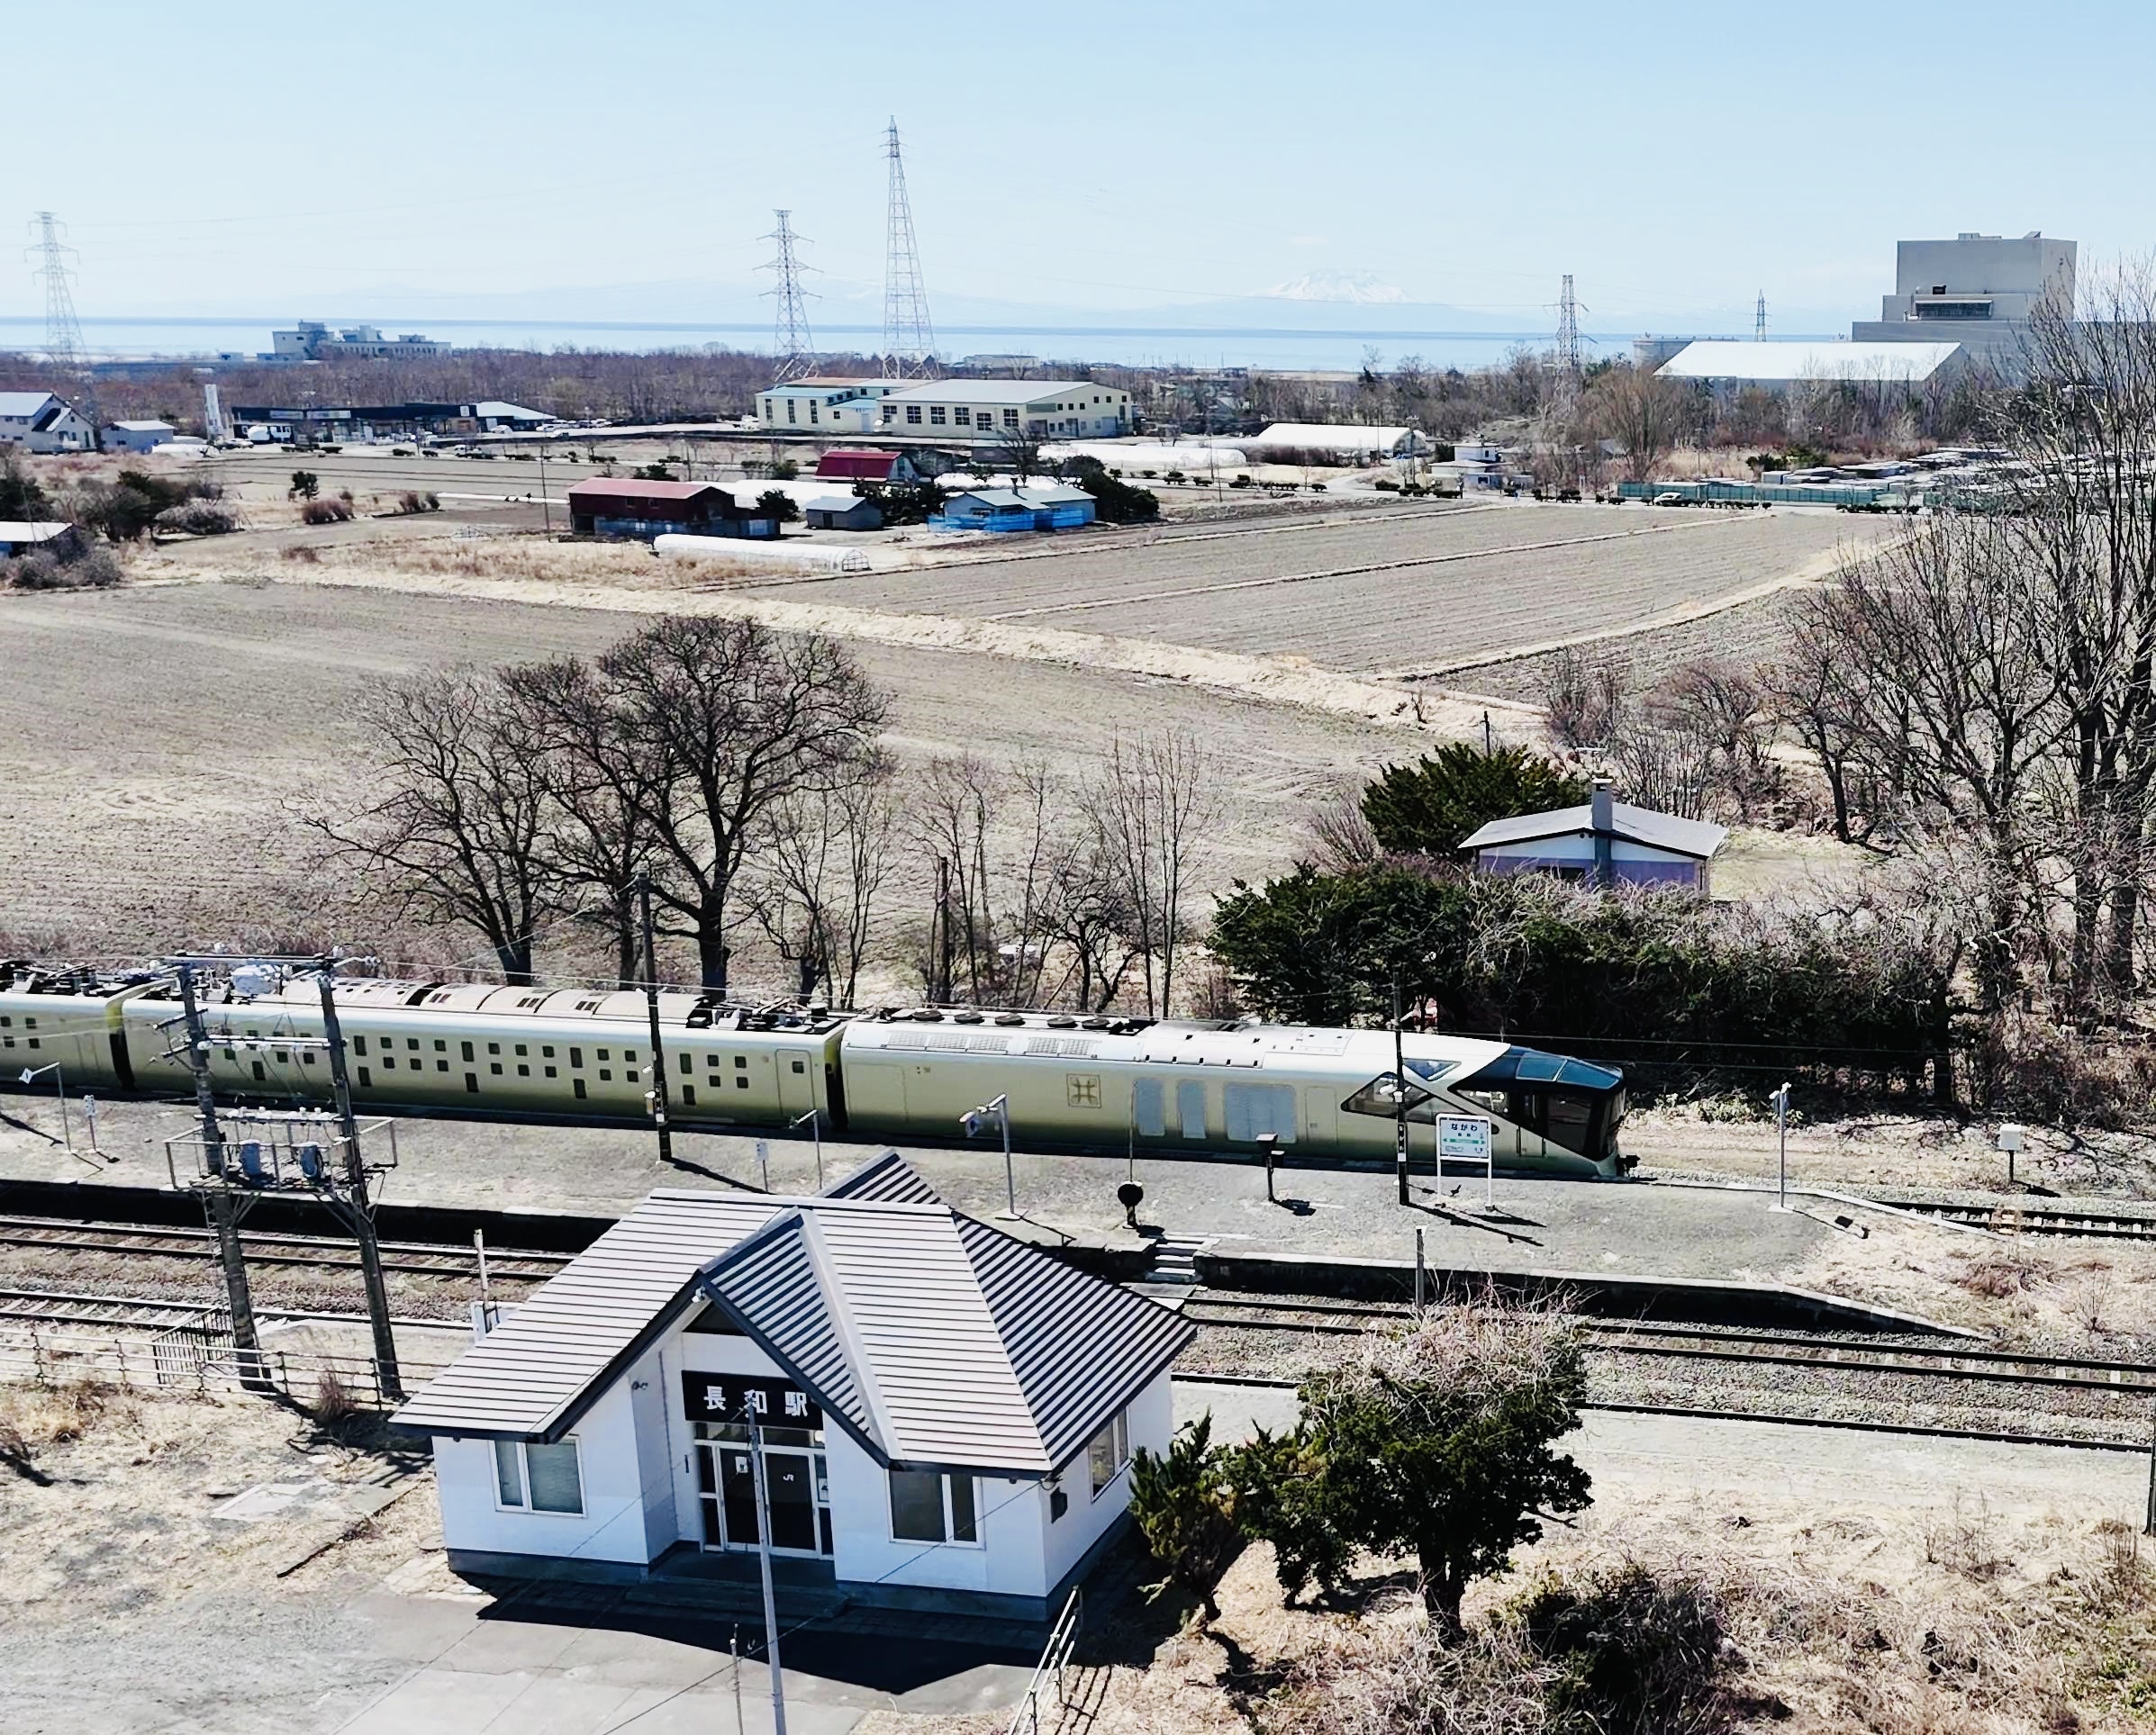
(800, 1067)
(1190, 1107)
(740, 1084)
(441, 1066)
(364, 1081)
(30, 1024)
(307, 1057)
(5, 1021)
(1149, 1108)
(252, 1033)
(523, 1049)
(576, 1057)
(740, 1063)
(7, 1042)
(494, 1048)
(230, 1054)
(467, 1050)
(1381, 1098)
(629, 1054)
(688, 1095)
(358, 1044)
(579, 1084)
(687, 1061)
(1495, 1101)
(33, 1041)
(523, 1071)
(259, 1073)
(390, 1061)
(495, 1067)
(602, 1054)
(278, 1055)
(549, 1072)
(409, 1041)
(606, 1074)
(471, 1080)
(547, 1050)
(440, 1047)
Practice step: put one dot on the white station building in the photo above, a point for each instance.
(948, 1414)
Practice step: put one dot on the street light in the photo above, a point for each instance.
(971, 1121)
(1781, 1132)
(815, 1119)
(31, 1074)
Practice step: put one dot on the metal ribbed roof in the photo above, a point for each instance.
(1698, 838)
(933, 1338)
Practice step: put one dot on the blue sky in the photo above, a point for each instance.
(396, 159)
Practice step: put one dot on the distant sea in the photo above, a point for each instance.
(183, 340)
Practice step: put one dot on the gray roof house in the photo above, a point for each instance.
(1606, 841)
(946, 1415)
(39, 421)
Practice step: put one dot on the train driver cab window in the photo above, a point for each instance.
(1381, 1098)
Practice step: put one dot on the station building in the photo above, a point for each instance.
(947, 1414)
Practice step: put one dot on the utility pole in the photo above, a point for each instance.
(1399, 1095)
(224, 1210)
(658, 1098)
(771, 1631)
(1758, 323)
(358, 1211)
(546, 505)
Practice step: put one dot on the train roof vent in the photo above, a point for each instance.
(592, 1005)
(1072, 1048)
(907, 1039)
(418, 996)
(529, 1002)
(1012, 1018)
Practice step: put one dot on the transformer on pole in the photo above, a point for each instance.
(792, 346)
(908, 339)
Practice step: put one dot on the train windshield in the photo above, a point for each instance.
(1570, 1103)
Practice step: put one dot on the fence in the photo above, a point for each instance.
(1048, 1677)
(197, 1358)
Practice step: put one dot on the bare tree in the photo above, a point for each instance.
(1157, 803)
(1643, 413)
(730, 720)
(460, 827)
(1585, 700)
(1017, 449)
(823, 868)
(1722, 707)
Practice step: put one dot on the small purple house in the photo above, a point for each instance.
(1604, 842)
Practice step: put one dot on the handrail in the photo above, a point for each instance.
(1054, 1658)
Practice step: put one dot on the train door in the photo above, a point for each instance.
(796, 1082)
(1320, 1113)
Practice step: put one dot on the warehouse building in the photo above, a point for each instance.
(619, 506)
(947, 1415)
(1729, 365)
(37, 421)
(312, 340)
(825, 406)
(137, 436)
(379, 422)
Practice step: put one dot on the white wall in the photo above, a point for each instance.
(1011, 1515)
(612, 1526)
(1152, 1427)
(1576, 848)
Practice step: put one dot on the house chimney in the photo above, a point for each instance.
(1601, 806)
(1601, 814)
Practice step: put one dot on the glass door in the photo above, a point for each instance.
(797, 1491)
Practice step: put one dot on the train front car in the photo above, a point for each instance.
(1131, 1084)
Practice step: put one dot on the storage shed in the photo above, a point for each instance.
(620, 506)
(843, 512)
(137, 436)
(862, 463)
(18, 537)
(999, 509)
(946, 1415)
(1606, 841)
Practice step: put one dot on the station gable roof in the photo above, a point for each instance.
(932, 1338)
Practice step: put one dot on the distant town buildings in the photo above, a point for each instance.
(379, 422)
(40, 422)
(312, 340)
(953, 409)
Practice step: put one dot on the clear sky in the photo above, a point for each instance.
(464, 157)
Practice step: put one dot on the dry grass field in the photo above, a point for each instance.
(159, 741)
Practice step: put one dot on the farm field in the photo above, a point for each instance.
(1412, 593)
(160, 743)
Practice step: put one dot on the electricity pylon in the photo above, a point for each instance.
(791, 343)
(908, 339)
(64, 345)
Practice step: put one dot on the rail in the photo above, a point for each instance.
(1055, 1659)
(414, 1259)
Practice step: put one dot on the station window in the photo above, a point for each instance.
(687, 1061)
(388, 1060)
(602, 1054)
(5, 1021)
(913, 412)
(576, 1057)
(1010, 418)
(532, 1477)
(801, 1066)
(307, 1057)
(30, 1024)
(441, 1066)
(712, 1060)
(278, 1056)
(963, 416)
(629, 1054)
(1109, 1451)
(936, 415)
(259, 1073)
(928, 1506)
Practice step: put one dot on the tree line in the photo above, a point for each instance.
(740, 778)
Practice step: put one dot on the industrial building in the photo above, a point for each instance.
(825, 406)
(945, 1415)
(380, 421)
(620, 506)
(1979, 291)
(136, 435)
(40, 422)
(1730, 364)
(312, 340)
(1333, 442)
(1606, 843)
(997, 409)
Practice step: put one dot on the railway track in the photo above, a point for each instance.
(1694, 1344)
(2035, 1219)
(411, 1258)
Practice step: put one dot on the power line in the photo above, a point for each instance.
(908, 339)
(790, 341)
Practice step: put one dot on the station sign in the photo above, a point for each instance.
(1464, 1138)
(724, 1397)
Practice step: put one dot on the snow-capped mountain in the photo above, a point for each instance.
(1363, 286)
